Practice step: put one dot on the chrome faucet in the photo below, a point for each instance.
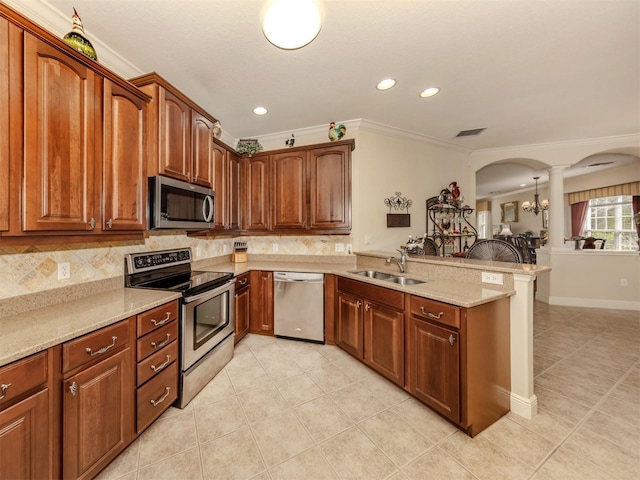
(402, 262)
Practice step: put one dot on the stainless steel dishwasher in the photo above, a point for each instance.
(299, 305)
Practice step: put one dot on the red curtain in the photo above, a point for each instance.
(578, 216)
(635, 205)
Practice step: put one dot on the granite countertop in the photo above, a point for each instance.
(29, 332)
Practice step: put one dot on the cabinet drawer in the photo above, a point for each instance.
(156, 340)
(155, 396)
(22, 376)
(435, 311)
(94, 345)
(379, 295)
(242, 281)
(157, 362)
(156, 318)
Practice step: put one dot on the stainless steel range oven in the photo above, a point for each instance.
(206, 314)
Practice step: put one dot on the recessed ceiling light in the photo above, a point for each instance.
(523, 184)
(386, 84)
(260, 111)
(291, 24)
(429, 92)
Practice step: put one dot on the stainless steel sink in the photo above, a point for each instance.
(374, 274)
(388, 277)
(405, 280)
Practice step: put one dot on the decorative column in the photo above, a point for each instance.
(556, 207)
(523, 400)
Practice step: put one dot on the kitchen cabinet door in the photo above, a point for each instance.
(59, 140)
(174, 141)
(221, 186)
(289, 191)
(201, 150)
(384, 341)
(330, 188)
(233, 196)
(349, 324)
(433, 366)
(4, 124)
(261, 302)
(255, 195)
(242, 307)
(98, 415)
(125, 160)
(24, 439)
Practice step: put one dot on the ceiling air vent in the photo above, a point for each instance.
(599, 164)
(470, 133)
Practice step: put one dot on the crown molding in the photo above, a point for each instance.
(50, 18)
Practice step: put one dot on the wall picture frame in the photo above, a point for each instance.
(509, 212)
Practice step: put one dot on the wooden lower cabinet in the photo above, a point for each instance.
(242, 306)
(458, 360)
(370, 326)
(98, 415)
(433, 358)
(25, 422)
(261, 305)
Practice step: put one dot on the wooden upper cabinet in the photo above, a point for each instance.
(226, 184)
(289, 190)
(330, 188)
(180, 133)
(174, 137)
(201, 150)
(58, 140)
(4, 124)
(125, 157)
(255, 198)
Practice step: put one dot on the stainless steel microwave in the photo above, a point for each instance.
(174, 204)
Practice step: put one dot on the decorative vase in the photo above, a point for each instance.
(77, 39)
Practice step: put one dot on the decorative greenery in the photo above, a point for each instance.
(248, 146)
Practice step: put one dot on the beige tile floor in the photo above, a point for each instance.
(292, 410)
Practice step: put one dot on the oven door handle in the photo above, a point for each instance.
(208, 293)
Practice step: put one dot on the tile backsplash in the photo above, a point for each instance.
(31, 269)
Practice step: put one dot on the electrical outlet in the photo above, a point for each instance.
(349, 248)
(367, 239)
(225, 248)
(491, 277)
(64, 270)
(198, 252)
(624, 282)
(274, 247)
(339, 247)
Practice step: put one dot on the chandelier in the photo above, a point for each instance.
(537, 206)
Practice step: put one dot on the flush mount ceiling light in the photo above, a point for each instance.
(291, 24)
(386, 84)
(429, 92)
(260, 111)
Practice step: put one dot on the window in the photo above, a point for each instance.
(612, 218)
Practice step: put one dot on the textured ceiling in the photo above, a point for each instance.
(530, 72)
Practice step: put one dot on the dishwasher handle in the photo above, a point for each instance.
(298, 277)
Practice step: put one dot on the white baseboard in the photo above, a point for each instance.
(524, 407)
(591, 303)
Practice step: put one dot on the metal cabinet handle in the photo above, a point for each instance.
(73, 388)
(3, 390)
(243, 282)
(110, 223)
(103, 349)
(367, 307)
(358, 304)
(92, 223)
(158, 323)
(431, 315)
(155, 403)
(452, 339)
(161, 344)
(162, 365)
